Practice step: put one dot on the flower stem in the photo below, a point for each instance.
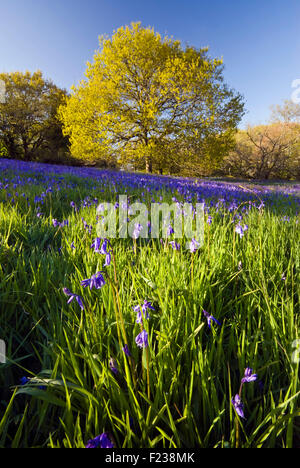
(148, 373)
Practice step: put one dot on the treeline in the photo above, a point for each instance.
(29, 126)
(147, 104)
(268, 151)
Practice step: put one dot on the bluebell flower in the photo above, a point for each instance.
(96, 245)
(126, 351)
(107, 259)
(113, 366)
(101, 441)
(170, 231)
(241, 230)
(100, 208)
(74, 296)
(137, 231)
(24, 380)
(147, 305)
(142, 339)
(210, 318)
(104, 247)
(249, 376)
(174, 245)
(143, 311)
(238, 406)
(139, 318)
(96, 281)
(193, 246)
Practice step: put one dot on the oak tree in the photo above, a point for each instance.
(29, 127)
(144, 92)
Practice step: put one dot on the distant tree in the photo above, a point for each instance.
(265, 151)
(144, 93)
(288, 112)
(29, 127)
(3, 150)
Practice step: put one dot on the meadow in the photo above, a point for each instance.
(146, 343)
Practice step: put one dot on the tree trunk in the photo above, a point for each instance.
(26, 150)
(148, 164)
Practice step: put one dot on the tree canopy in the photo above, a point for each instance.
(266, 151)
(29, 127)
(143, 94)
(288, 112)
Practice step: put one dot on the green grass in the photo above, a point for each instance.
(193, 371)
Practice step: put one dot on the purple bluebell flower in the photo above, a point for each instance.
(174, 245)
(193, 246)
(24, 380)
(107, 259)
(139, 318)
(147, 305)
(38, 199)
(209, 220)
(86, 226)
(126, 351)
(170, 230)
(241, 230)
(101, 441)
(142, 339)
(137, 231)
(74, 296)
(210, 318)
(104, 247)
(96, 245)
(56, 223)
(143, 311)
(113, 366)
(96, 281)
(238, 405)
(249, 376)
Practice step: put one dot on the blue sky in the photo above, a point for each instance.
(259, 40)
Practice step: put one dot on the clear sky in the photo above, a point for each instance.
(259, 40)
